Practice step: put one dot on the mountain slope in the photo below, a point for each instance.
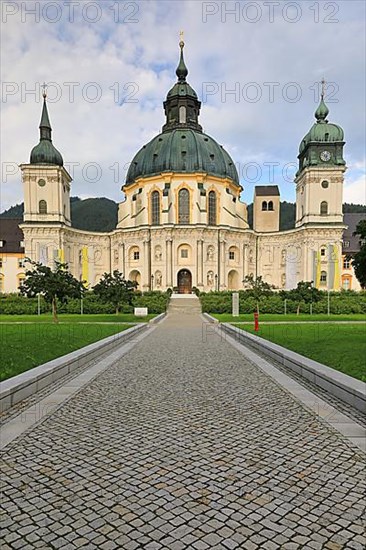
(100, 214)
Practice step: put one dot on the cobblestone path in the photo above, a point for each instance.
(183, 444)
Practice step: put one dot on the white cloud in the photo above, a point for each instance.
(355, 190)
(145, 54)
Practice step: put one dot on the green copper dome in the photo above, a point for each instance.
(182, 89)
(45, 152)
(322, 130)
(182, 150)
(182, 146)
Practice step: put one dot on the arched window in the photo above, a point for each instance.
(42, 206)
(182, 115)
(323, 278)
(264, 205)
(212, 208)
(155, 208)
(183, 206)
(323, 208)
(270, 205)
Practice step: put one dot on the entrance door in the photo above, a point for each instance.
(184, 281)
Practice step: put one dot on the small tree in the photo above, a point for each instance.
(359, 259)
(257, 288)
(54, 284)
(305, 292)
(116, 289)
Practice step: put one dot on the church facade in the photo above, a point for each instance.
(182, 223)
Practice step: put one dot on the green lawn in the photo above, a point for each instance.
(341, 346)
(227, 318)
(100, 318)
(24, 346)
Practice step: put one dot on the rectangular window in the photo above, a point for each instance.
(136, 255)
(346, 263)
(184, 253)
(322, 252)
(231, 255)
(346, 284)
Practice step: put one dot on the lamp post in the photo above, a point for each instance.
(216, 282)
(152, 282)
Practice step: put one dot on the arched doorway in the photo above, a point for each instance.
(233, 280)
(184, 280)
(135, 276)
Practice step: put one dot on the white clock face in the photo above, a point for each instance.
(325, 156)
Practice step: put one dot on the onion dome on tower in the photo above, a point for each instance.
(45, 152)
(323, 144)
(182, 146)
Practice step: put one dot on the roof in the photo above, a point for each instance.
(182, 150)
(351, 220)
(266, 190)
(11, 235)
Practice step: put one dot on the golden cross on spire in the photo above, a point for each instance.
(323, 87)
(44, 86)
(181, 36)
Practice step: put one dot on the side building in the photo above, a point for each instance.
(12, 270)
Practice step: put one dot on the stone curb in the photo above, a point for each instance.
(344, 387)
(19, 387)
(158, 318)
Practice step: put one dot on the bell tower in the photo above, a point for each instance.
(319, 179)
(46, 181)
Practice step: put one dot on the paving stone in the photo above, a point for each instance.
(183, 443)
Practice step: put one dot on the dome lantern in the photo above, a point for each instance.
(182, 146)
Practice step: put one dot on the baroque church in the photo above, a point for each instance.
(182, 223)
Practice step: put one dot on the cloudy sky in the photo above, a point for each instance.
(255, 65)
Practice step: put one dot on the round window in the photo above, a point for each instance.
(325, 184)
(41, 183)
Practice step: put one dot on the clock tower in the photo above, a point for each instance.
(319, 179)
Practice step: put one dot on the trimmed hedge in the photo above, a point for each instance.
(16, 304)
(341, 303)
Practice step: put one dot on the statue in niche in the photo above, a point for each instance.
(158, 254)
(210, 254)
(251, 256)
(116, 256)
(210, 278)
(158, 278)
(283, 280)
(283, 256)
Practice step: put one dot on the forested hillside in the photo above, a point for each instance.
(100, 214)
